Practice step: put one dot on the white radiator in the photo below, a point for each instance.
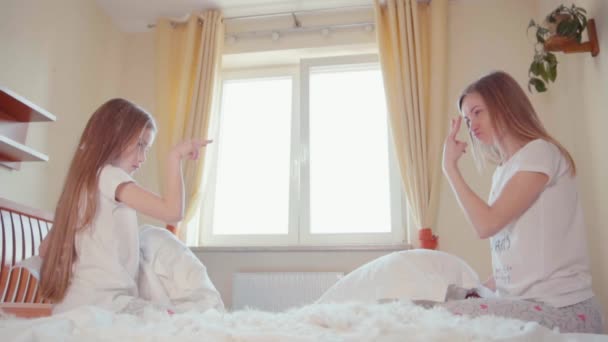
(278, 291)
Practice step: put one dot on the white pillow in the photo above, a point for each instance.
(413, 274)
(172, 275)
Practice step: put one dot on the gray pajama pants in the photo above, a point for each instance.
(583, 317)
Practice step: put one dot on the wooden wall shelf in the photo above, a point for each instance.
(16, 113)
(570, 45)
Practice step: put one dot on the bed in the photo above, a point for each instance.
(25, 316)
(23, 229)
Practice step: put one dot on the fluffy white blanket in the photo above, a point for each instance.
(396, 321)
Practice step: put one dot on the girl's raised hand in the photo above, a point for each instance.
(189, 149)
(453, 148)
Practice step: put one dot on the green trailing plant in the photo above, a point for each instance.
(562, 24)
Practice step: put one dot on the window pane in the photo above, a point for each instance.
(252, 188)
(349, 160)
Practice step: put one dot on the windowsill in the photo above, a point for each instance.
(257, 249)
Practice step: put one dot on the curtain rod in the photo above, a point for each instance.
(279, 14)
(276, 34)
(294, 13)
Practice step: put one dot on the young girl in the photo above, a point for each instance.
(92, 254)
(533, 218)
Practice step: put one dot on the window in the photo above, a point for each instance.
(303, 156)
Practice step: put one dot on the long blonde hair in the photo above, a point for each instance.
(113, 126)
(510, 111)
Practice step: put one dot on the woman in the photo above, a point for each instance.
(533, 218)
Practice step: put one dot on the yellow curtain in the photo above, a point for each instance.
(412, 38)
(188, 59)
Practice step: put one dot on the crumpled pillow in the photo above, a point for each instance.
(417, 274)
(170, 274)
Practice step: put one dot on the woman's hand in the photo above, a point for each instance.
(453, 148)
(189, 149)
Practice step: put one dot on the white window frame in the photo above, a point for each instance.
(206, 223)
(299, 187)
(398, 221)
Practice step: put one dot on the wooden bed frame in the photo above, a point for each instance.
(22, 230)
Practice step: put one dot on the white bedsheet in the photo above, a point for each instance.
(396, 321)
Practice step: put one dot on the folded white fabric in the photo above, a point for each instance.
(171, 274)
(417, 274)
(32, 264)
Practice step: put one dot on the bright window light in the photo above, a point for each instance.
(349, 153)
(252, 187)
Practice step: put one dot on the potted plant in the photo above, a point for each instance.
(563, 26)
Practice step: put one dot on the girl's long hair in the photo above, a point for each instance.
(510, 111)
(113, 126)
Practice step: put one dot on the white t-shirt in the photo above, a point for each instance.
(107, 252)
(542, 255)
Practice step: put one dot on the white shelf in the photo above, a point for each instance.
(12, 151)
(16, 113)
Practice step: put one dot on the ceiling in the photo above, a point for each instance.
(136, 15)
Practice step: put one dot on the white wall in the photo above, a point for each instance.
(65, 56)
(137, 84)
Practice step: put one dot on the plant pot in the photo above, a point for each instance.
(552, 27)
(427, 239)
(425, 233)
(429, 244)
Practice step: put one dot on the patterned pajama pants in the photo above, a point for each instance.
(584, 317)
